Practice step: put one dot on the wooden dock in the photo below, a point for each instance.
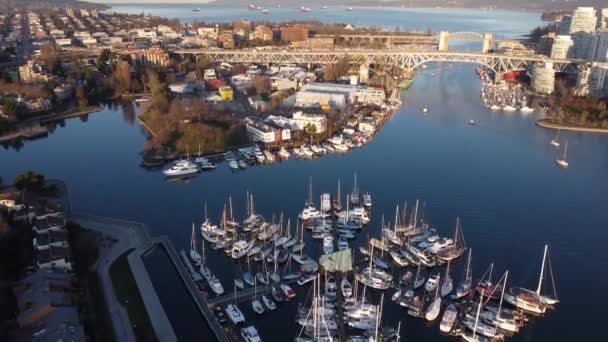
(244, 295)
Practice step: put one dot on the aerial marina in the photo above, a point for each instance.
(410, 264)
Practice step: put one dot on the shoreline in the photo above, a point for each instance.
(545, 123)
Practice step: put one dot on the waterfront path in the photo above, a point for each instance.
(553, 125)
(126, 236)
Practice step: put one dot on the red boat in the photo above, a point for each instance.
(486, 289)
(288, 291)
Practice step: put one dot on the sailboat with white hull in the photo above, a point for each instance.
(563, 162)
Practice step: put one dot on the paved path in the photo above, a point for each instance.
(126, 235)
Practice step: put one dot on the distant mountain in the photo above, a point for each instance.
(24, 4)
(538, 5)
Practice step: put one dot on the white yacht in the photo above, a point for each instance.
(235, 314)
(250, 334)
(449, 319)
(328, 244)
(233, 165)
(216, 286)
(240, 249)
(432, 283)
(309, 212)
(181, 168)
(283, 153)
(204, 163)
(367, 200)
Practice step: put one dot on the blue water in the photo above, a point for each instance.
(502, 23)
(499, 177)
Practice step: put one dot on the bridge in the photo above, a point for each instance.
(409, 60)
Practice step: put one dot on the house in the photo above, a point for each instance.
(55, 258)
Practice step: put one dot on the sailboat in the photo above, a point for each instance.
(525, 297)
(457, 248)
(464, 287)
(355, 197)
(337, 202)
(448, 284)
(555, 142)
(473, 337)
(562, 161)
(233, 311)
(418, 280)
(255, 303)
(247, 276)
(499, 320)
(193, 253)
(432, 311)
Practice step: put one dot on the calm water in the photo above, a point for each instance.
(499, 177)
(502, 23)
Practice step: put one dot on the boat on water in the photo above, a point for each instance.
(248, 278)
(563, 162)
(288, 291)
(432, 283)
(256, 305)
(233, 165)
(399, 259)
(434, 308)
(204, 164)
(425, 110)
(328, 244)
(464, 287)
(181, 168)
(239, 283)
(509, 108)
(268, 303)
(283, 153)
(304, 9)
(250, 334)
(472, 336)
(235, 314)
(240, 249)
(555, 141)
(216, 286)
(346, 287)
(265, 11)
(447, 284)
(526, 109)
(196, 9)
(450, 315)
(193, 246)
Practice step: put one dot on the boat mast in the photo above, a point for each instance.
(339, 195)
(542, 271)
(467, 275)
(310, 191)
(566, 149)
(477, 316)
(396, 218)
(193, 239)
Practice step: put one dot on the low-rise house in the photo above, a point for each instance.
(301, 120)
(48, 223)
(55, 258)
(266, 132)
(52, 238)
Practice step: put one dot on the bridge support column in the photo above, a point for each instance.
(487, 42)
(443, 40)
(364, 73)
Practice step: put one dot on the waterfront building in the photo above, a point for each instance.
(338, 95)
(600, 45)
(208, 32)
(266, 132)
(543, 79)
(584, 19)
(55, 258)
(564, 25)
(561, 47)
(300, 120)
(294, 33)
(315, 43)
(593, 80)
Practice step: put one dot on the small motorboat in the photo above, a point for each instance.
(248, 278)
(432, 283)
(288, 291)
(239, 283)
(268, 303)
(257, 306)
(347, 289)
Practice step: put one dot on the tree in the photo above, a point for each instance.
(81, 95)
(10, 107)
(262, 85)
(122, 77)
(336, 70)
(102, 60)
(29, 180)
(310, 129)
(159, 93)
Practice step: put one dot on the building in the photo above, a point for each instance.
(338, 95)
(208, 32)
(593, 80)
(263, 33)
(226, 40)
(226, 93)
(181, 88)
(266, 132)
(602, 18)
(315, 43)
(583, 45)
(561, 47)
(300, 120)
(32, 73)
(543, 79)
(294, 33)
(600, 45)
(584, 19)
(148, 57)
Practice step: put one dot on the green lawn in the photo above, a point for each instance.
(128, 294)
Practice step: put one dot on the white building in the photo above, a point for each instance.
(562, 44)
(584, 19)
(593, 80)
(300, 120)
(337, 95)
(602, 18)
(266, 132)
(543, 79)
